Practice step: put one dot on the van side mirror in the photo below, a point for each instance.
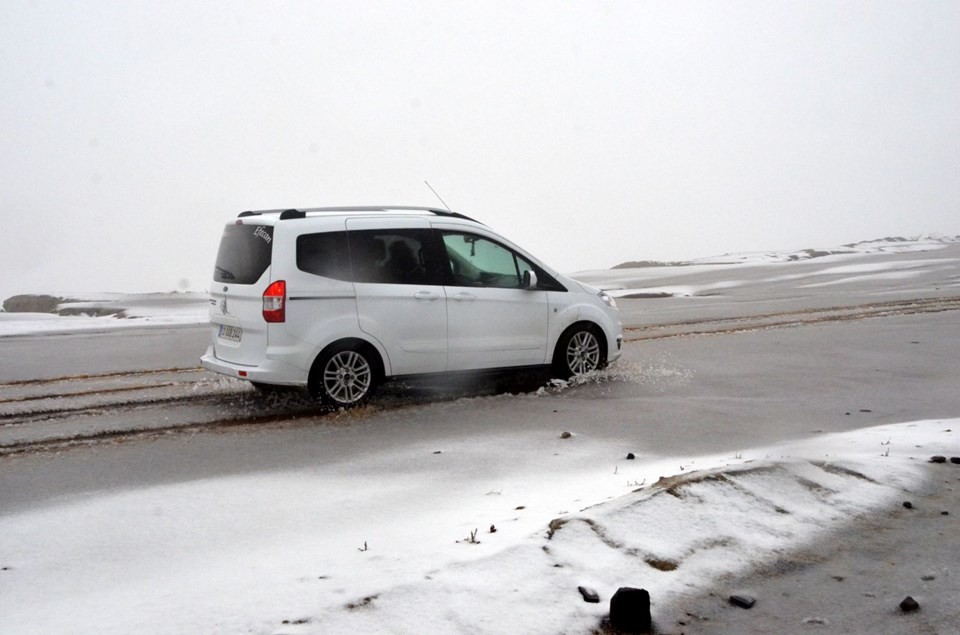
(529, 280)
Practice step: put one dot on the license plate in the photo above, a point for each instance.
(231, 333)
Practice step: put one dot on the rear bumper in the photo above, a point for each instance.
(269, 372)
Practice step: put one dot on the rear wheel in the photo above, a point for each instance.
(580, 350)
(345, 375)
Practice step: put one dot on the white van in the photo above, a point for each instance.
(337, 300)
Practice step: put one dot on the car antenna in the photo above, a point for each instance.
(445, 206)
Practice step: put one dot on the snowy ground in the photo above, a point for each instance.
(103, 311)
(257, 554)
(495, 531)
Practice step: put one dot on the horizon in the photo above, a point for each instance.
(91, 294)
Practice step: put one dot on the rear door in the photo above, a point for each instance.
(241, 275)
(400, 298)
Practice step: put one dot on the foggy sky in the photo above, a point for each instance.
(588, 132)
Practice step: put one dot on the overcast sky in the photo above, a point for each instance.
(589, 132)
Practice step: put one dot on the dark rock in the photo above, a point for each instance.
(32, 304)
(589, 595)
(938, 459)
(743, 601)
(493, 529)
(630, 456)
(909, 604)
(565, 435)
(908, 504)
(865, 410)
(955, 460)
(630, 610)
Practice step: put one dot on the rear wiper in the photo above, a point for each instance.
(226, 275)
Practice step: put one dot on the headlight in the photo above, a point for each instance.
(608, 300)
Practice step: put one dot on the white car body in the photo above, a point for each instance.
(449, 299)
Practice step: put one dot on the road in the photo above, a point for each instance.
(754, 353)
(754, 380)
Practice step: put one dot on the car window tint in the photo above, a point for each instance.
(245, 253)
(324, 254)
(475, 261)
(393, 256)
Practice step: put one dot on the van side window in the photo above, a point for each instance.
(324, 255)
(475, 261)
(393, 256)
(478, 262)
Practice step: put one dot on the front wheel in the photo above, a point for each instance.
(344, 376)
(580, 350)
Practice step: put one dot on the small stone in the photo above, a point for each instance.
(438, 452)
(944, 513)
(909, 604)
(630, 456)
(816, 621)
(743, 601)
(928, 578)
(865, 410)
(565, 435)
(938, 459)
(955, 460)
(589, 595)
(493, 529)
(908, 504)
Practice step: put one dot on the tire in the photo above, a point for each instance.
(345, 375)
(580, 350)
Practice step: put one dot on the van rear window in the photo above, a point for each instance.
(244, 255)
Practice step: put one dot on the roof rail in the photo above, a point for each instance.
(289, 213)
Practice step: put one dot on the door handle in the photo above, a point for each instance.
(426, 295)
(464, 297)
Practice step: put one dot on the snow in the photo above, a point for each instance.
(126, 311)
(318, 550)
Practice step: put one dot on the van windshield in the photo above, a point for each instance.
(244, 253)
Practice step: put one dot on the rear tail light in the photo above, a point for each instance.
(275, 301)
